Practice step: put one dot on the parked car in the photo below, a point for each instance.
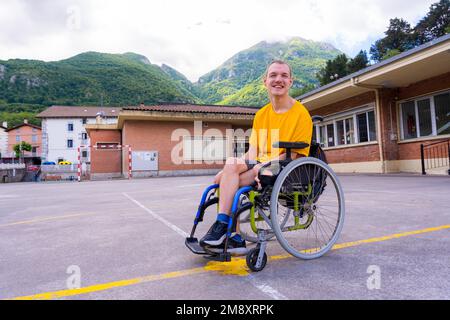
(48, 163)
(64, 163)
(33, 168)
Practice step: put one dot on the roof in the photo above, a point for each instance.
(78, 112)
(23, 124)
(422, 63)
(195, 108)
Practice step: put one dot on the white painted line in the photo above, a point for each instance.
(265, 288)
(161, 219)
(189, 185)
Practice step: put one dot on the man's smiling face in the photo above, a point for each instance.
(278, 80)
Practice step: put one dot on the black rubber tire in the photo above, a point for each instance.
(252, 257)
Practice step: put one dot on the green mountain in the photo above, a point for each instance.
(29, 86)
(238, 81)
(89, 78)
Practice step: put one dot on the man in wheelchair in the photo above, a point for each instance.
(283, 119)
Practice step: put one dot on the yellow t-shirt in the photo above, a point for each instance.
(269, 127)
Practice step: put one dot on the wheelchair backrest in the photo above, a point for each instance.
(315, 149)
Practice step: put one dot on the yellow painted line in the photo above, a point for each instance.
(45, 219)
(236, 267)
(110, 285)
(372, 240)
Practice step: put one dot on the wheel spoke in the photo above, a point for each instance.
(319, 200)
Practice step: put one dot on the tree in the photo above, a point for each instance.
(21, 147)
(360, 61)
(333, 70)
(435, 24)
(399, 36)
(342, 66)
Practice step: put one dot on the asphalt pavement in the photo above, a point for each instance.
(124, 239)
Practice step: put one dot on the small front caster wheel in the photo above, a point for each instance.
(252, 260)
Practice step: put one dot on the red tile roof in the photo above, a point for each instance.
(23, 124)
(78, 112)
(195, 108)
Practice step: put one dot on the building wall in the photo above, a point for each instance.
(346, 104)
(3, 142)
(397, 155)
(156, 136)
(56, 134)
(25, 133)
(405, 155)
(105, 163)
(362, 157)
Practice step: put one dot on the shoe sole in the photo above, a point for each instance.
(216, 242)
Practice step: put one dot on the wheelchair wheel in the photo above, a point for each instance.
(252, 259)
(309, 192)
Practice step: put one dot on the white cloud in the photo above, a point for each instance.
(192, 36)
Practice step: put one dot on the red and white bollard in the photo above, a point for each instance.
(129, 162)
(79, 164)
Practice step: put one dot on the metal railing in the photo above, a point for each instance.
(435, 155)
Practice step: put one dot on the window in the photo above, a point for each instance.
(84, 154)
(442, 113)
(84, 136)
(69, 143)
(34, 138)
(344, 131)
(366, 127)
(322, 136)
(17, 138)
(84, 121)
(70, 127)
(330, 135)
(357, 127)
(429, 116)
(240, 147)
(204, 148)
(34, 130)
(424, 113)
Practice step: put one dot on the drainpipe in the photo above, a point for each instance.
(374, 88)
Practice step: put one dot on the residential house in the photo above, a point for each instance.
(29, 133)
(63, 130)
(3, 139)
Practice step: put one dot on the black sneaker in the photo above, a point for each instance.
(235, 247)
(215, 235)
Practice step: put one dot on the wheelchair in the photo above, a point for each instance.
(300, 203)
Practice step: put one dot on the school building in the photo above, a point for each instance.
(381, 119)
(170, 139)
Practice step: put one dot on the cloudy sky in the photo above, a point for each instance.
(193, 36)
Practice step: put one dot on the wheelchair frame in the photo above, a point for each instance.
(258, 202)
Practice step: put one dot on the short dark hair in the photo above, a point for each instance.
(278, 62)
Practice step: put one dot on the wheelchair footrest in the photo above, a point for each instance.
(194, 246)
(221, 257)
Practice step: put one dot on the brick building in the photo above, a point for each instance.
(177, 139)
(377, 119)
